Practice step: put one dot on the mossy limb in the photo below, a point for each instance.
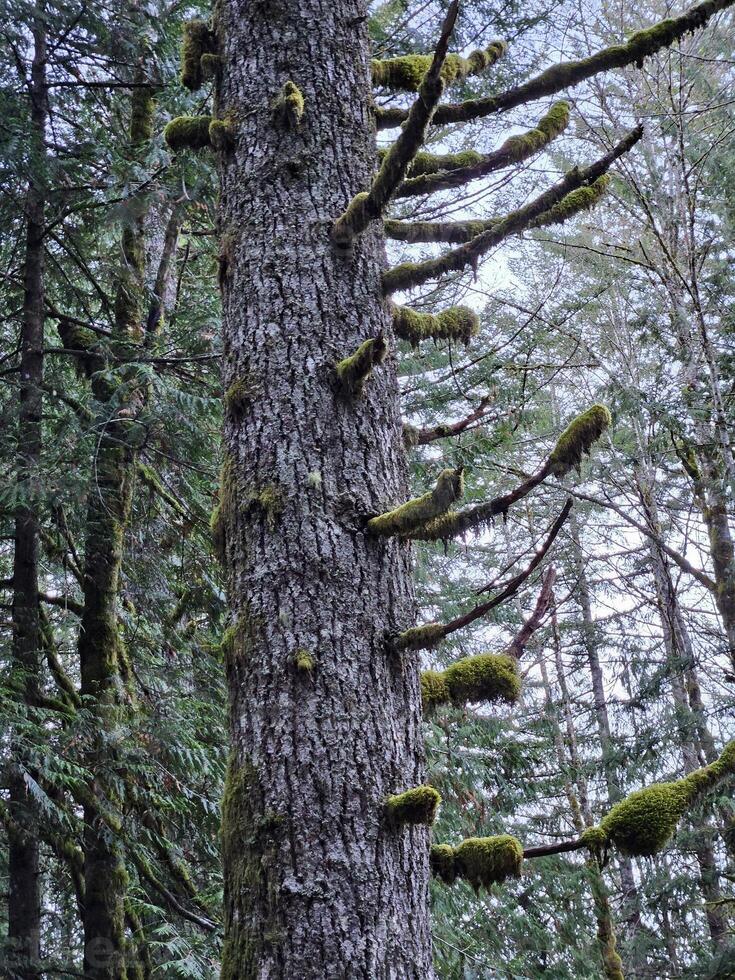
(461, 232)
(514, 150)
(415, 806)
(406, 73)
(481, 861)
(441, 862)
(353, 371)
(457, 323)
(644, 822)
(434, 689)
(449, 488)
(221, 135)
(486, 677)
(288, 109)
(188, 133)
(198, 40)
(578, 438)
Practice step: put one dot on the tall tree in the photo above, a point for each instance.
(326, 858)
(24, 901)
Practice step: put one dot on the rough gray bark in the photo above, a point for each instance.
(24, 893)
(316, 882)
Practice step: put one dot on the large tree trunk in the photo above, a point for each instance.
(24, 898)
(317, 884)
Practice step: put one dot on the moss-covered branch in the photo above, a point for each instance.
(514, 150)
(415, 513)
(481, 861)
(406, 73)
(568, 74)
(457, 323)
(456, 232)
(644, 822)
(367, 206)
(198, 54)
(426, 636)
(578, 439)
(486, 677)
(353, 371)
(188, 133)
(415, 806)
(411, 274)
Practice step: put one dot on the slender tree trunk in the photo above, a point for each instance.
(631, 911)
(24, 899)
(697, 745)
(317, 884)
(102, 655)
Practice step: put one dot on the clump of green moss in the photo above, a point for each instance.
(441, 862)
(142, 113)
(188, 133)
(644, 822)
(304, 661)
(578, 438)
(434, 689)
(594, 839)
(486, 677)
(415, 806)
(198, 40)
(481, 861)
(209, 64)
(353, 371)
(288, 109)
(457, 323)
(238, 396)
(406, 73)
(449, 488)
(424, 164)
(221, 135)
(270, 501)
(419, 637)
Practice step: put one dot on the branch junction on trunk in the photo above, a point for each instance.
(415, 806)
